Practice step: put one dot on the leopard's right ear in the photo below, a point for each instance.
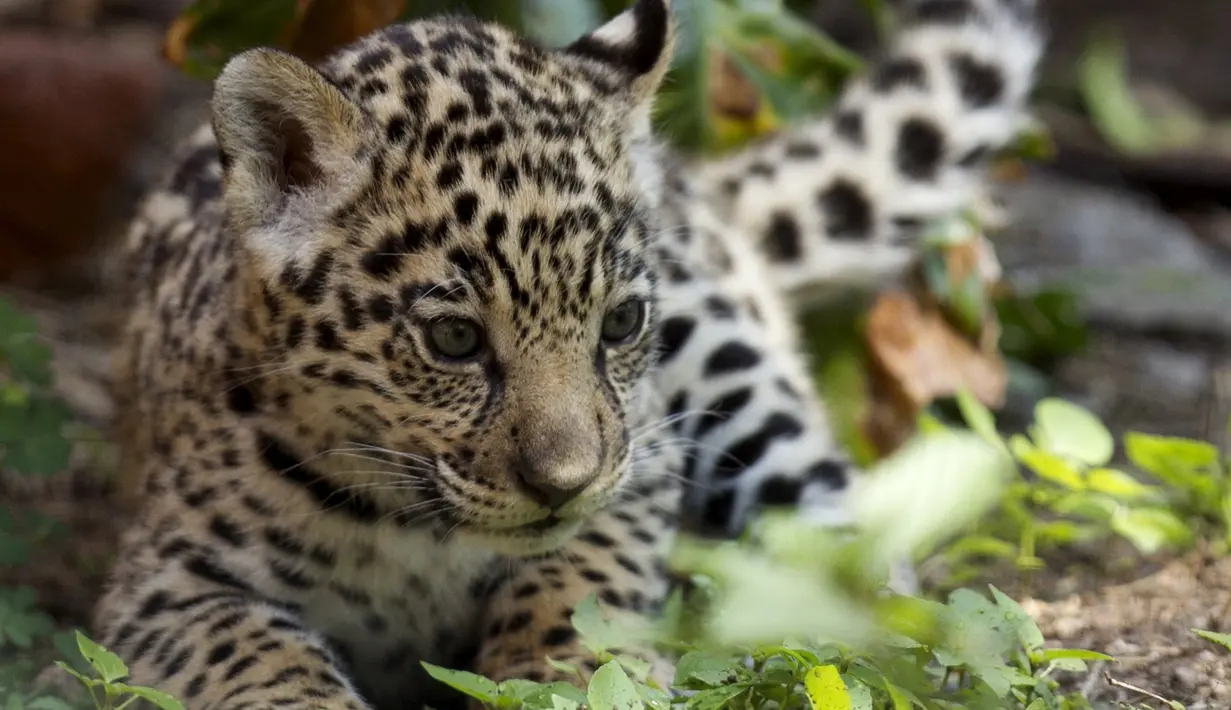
(638, 44)
(287, 138)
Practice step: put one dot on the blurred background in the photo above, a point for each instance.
(1117, 247)
(1115, 243)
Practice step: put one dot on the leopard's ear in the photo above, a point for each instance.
(285, 135)
(638, 43)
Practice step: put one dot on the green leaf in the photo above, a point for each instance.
(612, 689)
(1223, 640)
(1018, 620)
(1052, 654)
(1039, 328)
(108, 665)
(563, 667)
(930, 489)
(1118, 484)
(48, 702)
(28, 360)
(597, 632)
(717, 698)
(472, 684)
(981, 546)
(224, 28)
(826, 689)
(1047, 465)
(861, 696)
(1184, 464)
(1151, 529)
(978, 417)
(1113, 109)
(697, 670)
(14, 324)
(163, 700)
(1073, 432)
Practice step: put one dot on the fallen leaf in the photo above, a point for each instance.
(327, 25)
(203, 37)
(917, 356)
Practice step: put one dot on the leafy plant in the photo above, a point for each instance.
(104, 686)
(32, 443)
(846, 645)
(31, 417)
(1072, 493)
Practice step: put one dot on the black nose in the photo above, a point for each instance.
(552, 496)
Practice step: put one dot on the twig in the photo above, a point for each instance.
(1140, 691)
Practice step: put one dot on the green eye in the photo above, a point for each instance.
(454, 338)
(623, 322)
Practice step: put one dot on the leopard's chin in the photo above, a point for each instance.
(537, 538)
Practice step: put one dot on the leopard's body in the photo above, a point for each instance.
(427, 345)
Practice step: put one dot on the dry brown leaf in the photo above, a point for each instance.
(317, 28)
(330, 24)
(731, 94)
(917, 355)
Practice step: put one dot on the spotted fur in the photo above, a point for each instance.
(426, 341)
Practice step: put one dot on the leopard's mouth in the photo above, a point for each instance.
(539, 537)
(546, 524)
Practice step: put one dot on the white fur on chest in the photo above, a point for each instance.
(396, 598)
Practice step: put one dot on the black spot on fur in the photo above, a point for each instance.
(832, 473)
(898, 73)
(227, 531)
(782, 239)
(800, 149)
(722, 410)
(732, 356)
(780, 490)
(980, 83)
(747, 451)
(920, 149)
(241, 399)
(559, 635)
(641, 52)
(849, 125)
(384, 259)
(847, 211)
(944, 12)
(674, 333)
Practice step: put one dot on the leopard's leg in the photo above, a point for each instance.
(618, 557)
(186, 624)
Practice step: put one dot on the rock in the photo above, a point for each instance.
(1157, 299)
(70, 115)
(1135, 266)
(77, 118)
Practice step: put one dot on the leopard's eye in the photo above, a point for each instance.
(454, 338)
(623, 322)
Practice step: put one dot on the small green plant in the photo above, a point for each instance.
(1072, 493)
(796, 618)
(32, 443)
(104, 686)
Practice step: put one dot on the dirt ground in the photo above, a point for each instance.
(1140, 611)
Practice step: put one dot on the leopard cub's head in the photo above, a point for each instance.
(449, 231)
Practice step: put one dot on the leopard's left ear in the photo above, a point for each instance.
(637, 43)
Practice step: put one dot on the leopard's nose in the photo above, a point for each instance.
(551, 495)
(551, 486)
